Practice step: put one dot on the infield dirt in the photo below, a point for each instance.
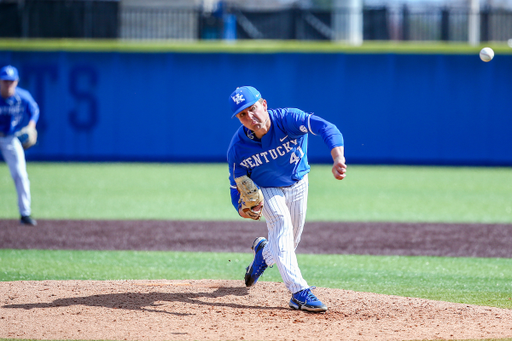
(227, 310)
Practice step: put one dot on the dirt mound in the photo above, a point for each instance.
(227, 310)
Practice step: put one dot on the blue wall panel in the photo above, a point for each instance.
(391, 108)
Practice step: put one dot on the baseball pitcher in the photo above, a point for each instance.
(268, 173)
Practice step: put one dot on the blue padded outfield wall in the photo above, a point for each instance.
(439, 109)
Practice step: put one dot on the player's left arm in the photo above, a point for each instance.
(32, 110)
(339, 167)
(300, 122)
(332, 138)
(28, 134)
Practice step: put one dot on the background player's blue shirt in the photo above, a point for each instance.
(16, 111)
(279, 159)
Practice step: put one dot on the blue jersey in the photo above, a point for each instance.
(16, 111)
(279, 159)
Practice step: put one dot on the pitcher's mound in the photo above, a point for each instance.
(227, 310)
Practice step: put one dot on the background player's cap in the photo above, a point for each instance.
(243, 97)
(9, 73)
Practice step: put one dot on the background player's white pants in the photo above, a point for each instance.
(14, 156)
(285, 213)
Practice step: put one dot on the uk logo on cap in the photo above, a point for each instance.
(9, 73)
(242, 98)
(238, 98)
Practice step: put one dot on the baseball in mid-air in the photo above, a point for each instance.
(486, 54)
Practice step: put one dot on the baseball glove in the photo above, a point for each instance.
(27, 136)
(251, 197)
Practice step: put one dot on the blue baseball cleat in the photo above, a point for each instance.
(305, 300)
(27, 220)
(258, 265)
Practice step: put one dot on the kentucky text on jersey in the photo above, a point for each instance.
(16, 111)
(282, 150)
(279, 159)
(10, 110)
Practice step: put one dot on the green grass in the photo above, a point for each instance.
(481, 281)
(170, 191)
(412, 194)
(123, 191)
(177, 192)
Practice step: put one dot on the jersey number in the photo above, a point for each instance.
(294, 158)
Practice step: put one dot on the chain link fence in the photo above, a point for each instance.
(107, 19)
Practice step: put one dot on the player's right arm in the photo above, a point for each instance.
(235, 194)
(236, 171)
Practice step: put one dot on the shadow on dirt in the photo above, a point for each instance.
(149, 301)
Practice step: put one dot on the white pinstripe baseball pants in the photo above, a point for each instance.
(285, 213)
(14, 156)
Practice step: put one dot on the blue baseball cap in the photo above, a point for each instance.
(242, 98)
(9, 73)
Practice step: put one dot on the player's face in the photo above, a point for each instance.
(255, 118)
(7, 88)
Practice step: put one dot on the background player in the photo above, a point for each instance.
(271, 148)
(17, 109)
